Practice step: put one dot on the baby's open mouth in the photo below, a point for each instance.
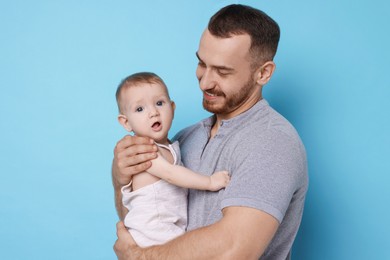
(156, 125)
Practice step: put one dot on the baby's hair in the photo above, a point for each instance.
(137, 79)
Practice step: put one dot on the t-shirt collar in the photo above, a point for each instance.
(239, 119)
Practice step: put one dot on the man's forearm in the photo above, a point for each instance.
(204, 243)
(120, 209)
(243, 233)
(192, 245)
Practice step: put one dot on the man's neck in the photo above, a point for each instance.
(220, 117)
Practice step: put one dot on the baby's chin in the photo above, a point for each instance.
(161, 139)
(160, 136)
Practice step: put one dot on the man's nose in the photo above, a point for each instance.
(207, 80)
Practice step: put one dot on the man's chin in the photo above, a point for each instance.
(213, 108)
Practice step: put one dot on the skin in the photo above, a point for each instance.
(132, 155)
(148, 111)
(223, 72)
(145, 105)
(224, 65)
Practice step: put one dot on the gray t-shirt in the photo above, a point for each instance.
(267, 162)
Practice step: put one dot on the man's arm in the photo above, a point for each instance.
(242, 233)
(132, 155)
(183, 177)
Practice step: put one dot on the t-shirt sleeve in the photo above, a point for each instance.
(265, 172)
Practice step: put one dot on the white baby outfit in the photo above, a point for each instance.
(157, 212)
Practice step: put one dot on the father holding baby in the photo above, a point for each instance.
(258, 214)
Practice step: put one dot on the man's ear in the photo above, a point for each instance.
(122, 119)
(265, 72)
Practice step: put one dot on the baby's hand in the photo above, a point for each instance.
(219, 180)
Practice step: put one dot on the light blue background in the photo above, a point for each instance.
(60, 63)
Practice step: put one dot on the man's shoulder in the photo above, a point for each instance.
(263, 122)
(266, 130)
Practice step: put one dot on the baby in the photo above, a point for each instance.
(157, 199)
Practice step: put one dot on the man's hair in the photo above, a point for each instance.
(241, 19)
(137, 79)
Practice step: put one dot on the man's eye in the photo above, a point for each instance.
(139, 109)
(201, 64)
(160, 103)
(223, 73)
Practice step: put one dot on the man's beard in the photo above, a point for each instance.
(232, 102)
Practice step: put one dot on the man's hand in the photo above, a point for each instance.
(125, 247)
(132, 155)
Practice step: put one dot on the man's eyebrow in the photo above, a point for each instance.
(215, 66)
(197, 55)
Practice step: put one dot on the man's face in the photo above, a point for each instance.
(148, 110)
(225, 75)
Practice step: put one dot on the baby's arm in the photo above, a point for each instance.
(183, 177)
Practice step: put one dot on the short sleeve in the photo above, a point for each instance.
(266, 170)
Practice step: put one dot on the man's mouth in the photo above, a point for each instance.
(210, 94)
(215, 92)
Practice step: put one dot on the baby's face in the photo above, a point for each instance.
(149, 110)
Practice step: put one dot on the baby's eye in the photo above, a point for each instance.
(139, 109)
(159, 103)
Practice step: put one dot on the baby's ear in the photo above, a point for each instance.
(173, 106)
(122, 119)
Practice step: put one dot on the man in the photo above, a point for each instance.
(259, 212)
